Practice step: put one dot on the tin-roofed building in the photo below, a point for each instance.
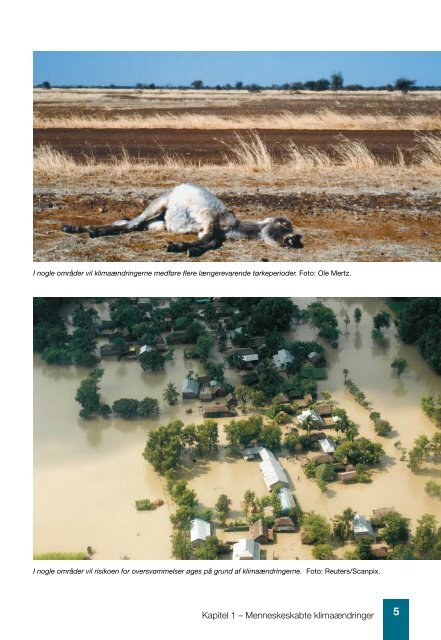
(282, 358)
(271, 470)
(200, 530)
(190, 389)
(146, 348)
(286, 500)
(252, 357)
(314, 357)
(316, 420)
(251, 453)
(327, 445)
(362, 528)
(246, 549)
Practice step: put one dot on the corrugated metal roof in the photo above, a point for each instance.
(190, 386)
(145, 349)
(310, 413)
(253, 357)
(246, 549)
(327, 445)
(271, 469)
(282, 358)
(286, 499)
(200, 530)
(361, 525)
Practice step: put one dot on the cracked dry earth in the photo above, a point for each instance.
(337, 226)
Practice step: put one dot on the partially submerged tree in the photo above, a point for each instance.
(170, 394)
(88, 395)
(152, 361)
(399, 365)
(222, 508)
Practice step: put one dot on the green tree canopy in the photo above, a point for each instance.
(316, 528)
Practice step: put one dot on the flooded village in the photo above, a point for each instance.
(237, 428)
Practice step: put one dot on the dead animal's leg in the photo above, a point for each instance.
(114, 229)
(155, 212)
(94, 231)
(210, 241)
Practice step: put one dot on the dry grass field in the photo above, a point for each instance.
(358, 173)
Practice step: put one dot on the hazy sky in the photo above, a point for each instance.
(174, 67)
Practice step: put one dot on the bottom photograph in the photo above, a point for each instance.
(237, 428)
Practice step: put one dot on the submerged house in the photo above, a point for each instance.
(314, 357)
(231, 400)
(106, 328)
(189, 389)
(327, 445)
(246, 549)
(259, 532)
(161, 343)
(108, 350)
(218, 411)
(282, 358)
(324, 409)
(131, 353)
(286, 499)
(146, 348)
(199, 532)
(323, 458)
(362, 528)
(206, 394)
(284, 524)
(313, 416)
(348, 476)
(251, 453)
(271, 470)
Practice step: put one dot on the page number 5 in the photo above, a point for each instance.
(396, 611)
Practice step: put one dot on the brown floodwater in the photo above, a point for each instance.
(88, 474)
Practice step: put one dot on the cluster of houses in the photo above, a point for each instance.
(275, 478)
(321, 418)
(249, 547)
(206, 390)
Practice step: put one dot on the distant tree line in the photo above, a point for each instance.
(334, 83)
(418, 322)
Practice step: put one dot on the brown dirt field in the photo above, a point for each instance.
(210, 146)
(231, 103)
(389, 212)
(342, 227)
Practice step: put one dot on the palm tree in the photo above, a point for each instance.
(352, 431)
(308, 424)
(342, 524)
(170, 394)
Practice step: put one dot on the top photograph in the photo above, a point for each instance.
(237, 156)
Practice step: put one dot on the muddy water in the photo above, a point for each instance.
(397, 399)
(87, 474)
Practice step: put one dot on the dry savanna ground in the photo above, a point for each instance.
(358, 173)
